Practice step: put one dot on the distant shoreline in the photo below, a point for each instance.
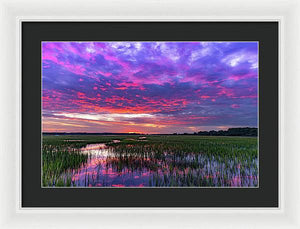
(243, 131)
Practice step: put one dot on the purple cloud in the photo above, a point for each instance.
(152, 87)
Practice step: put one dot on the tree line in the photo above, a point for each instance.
(241, 131)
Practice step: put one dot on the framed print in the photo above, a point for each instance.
(152, 63)
(160, 114)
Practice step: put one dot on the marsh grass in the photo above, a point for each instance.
(168, 160)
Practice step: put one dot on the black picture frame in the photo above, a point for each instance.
(266, 33)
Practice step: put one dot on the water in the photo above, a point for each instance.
(99, 170)
(108, 167)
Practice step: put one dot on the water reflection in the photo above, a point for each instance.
(100, 169)
(109, 166)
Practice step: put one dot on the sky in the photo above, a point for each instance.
(148, 87)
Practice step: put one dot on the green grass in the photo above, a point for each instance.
(174, 160)
(60, 155)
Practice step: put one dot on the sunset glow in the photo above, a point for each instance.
(148, 87)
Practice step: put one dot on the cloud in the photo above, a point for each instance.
(168, 86)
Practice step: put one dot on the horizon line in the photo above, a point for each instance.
(143, 133)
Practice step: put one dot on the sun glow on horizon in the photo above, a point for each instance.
(148, 87)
